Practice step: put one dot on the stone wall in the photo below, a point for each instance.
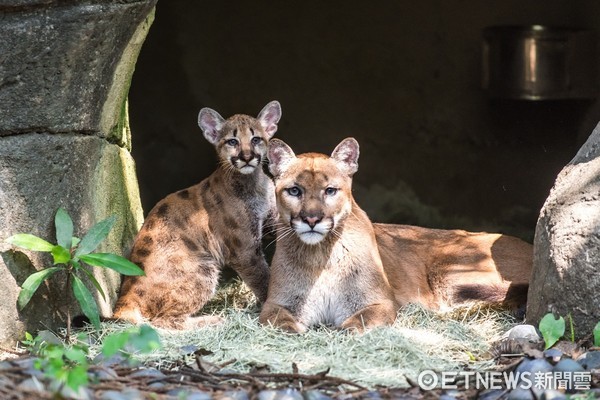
(65, 71)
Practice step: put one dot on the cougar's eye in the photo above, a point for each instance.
(294, 191)
(232, 142)
(330, 191)
(256, 141)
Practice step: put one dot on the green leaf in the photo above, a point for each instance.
(86, 301)
(95, 235)
(76, 354)
(30, 242)
(114, 343)
(94, 281)
(112, 261)
(61, 255)
(597, 335)
(75, 241)
(147, 340)
(64, 228)
(552, 329)
(32, 283)
(77, 377)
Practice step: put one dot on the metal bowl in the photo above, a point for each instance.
(538, 62)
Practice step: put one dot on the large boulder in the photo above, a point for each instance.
(65, 69)
(566, 267)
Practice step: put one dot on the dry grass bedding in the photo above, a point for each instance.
(419, 340)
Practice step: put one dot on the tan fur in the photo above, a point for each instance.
(441, 268)
(331, 274)
(357, 274)
(189, 236)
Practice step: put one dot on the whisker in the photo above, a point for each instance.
(281, 236)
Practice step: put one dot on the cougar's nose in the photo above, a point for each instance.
(312, 220)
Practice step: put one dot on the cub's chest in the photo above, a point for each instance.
(261, 203)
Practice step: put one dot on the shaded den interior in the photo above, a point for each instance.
(404, 78)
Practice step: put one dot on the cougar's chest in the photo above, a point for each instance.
(326, 301)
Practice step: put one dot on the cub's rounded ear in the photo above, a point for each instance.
(211, 123)
(269, 117)
(280, 156)
(347, 153)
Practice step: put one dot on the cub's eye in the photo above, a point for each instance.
(294, 191)
(256, 140)
(330, 191)
(232, 142)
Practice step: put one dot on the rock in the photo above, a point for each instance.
(491, 394)
(234, 395)
(286, 394)
(149, 373)
(5, 365)
(520, 394)
(65, 392)
(105, 374)
(533, 366)
(553, 395)
(48, 337)
(5, 382)
(315, 395)
(590, 360)
(567, 243)
(267, 395)
(531, 369)
(197, 395)
(25, 363)
(31, 385)
(156, 386)
(568, 365)
(528, 332)
(126, 394)
(445, 396)
(65, 142)
(112, 361)
(553, 355)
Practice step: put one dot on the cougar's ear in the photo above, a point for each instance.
(211, 123)
(269, 117)
(346, 153)
(280, 156)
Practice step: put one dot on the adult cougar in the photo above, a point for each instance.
(332, 266)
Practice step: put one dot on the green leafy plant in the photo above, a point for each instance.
(65, 364)
(142, 339)
(69, 255)
(68, 364)
(596, 333)
(552, 329)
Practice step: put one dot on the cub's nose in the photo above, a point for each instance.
(246, 157)
(311, 220)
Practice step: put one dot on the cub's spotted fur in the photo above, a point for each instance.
(190, 235)
(332, 266)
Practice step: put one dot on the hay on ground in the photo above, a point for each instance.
(419, 340)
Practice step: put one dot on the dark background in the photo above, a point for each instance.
(403, 77)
